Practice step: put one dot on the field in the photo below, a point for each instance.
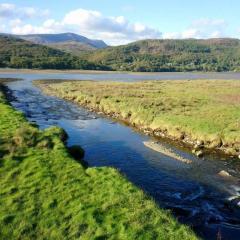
(46, 194)
(205, 113)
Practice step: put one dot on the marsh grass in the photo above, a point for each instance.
(205, 110)
(46, 194)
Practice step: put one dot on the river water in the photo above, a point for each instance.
(196, 193)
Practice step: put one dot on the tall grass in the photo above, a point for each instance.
(193, 111)
(46, 194)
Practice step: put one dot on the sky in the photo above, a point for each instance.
(121, 22)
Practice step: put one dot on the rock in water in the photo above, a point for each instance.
(198, 153)
(166, 151)
(224, 173)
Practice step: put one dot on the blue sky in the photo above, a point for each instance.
(119, 22)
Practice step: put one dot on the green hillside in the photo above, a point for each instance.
(72, 47)
(143, 56)
(171, 55)
(18, 53)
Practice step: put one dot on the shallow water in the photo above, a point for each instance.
(195, 192)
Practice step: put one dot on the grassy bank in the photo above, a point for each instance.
(204, 113)
(46, 194)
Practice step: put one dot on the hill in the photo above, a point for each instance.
(68, 42)
(72, 47)
(18, 53)
(171, 55)
(61, 52)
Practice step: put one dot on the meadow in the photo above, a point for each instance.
(203, 113)
(47, 194)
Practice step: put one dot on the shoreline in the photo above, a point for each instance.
(14, 70)
(42, 163)
(82, 71)
(197, 146)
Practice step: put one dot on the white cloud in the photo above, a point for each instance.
(171, 35)
(93, 24)
(9, 11)
(15, 22)
(191, 33)
(29, 29)
(201, 28)
(2, 28)
(114, 30)
(6, 9)
(216, 34)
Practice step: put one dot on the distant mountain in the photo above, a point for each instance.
(19, 53)
(220, 54)
(48, 39)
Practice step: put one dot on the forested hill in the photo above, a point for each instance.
(18, 53)
(147, 55)
(171, 55)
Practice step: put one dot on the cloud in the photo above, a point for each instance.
(94, 24)
(6, 10)
(201, 28)
(29, 29)
(113, 29)
(238, 30)
(9, 11)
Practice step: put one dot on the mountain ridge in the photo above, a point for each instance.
(62, 37)
(19, 53)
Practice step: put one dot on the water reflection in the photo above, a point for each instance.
(194, 192)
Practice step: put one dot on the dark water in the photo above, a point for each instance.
(195, 192)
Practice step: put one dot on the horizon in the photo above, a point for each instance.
(6, 33)
(146, 39)
(121, 23)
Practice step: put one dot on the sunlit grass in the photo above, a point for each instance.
(46, 194)
(207, 110)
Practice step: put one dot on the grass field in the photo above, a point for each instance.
(196, 111)
(46, 194)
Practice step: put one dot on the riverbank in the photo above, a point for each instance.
(45, 193)
(216, 75)
(22, 70)
(203, 114)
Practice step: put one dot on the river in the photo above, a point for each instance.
(196, 193)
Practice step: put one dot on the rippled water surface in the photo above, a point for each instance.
(195, 192)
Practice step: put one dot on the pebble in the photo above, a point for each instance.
(224, 173)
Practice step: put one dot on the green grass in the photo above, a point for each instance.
(46, 194)
(206, 110)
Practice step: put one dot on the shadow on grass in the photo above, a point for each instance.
(77, 153)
